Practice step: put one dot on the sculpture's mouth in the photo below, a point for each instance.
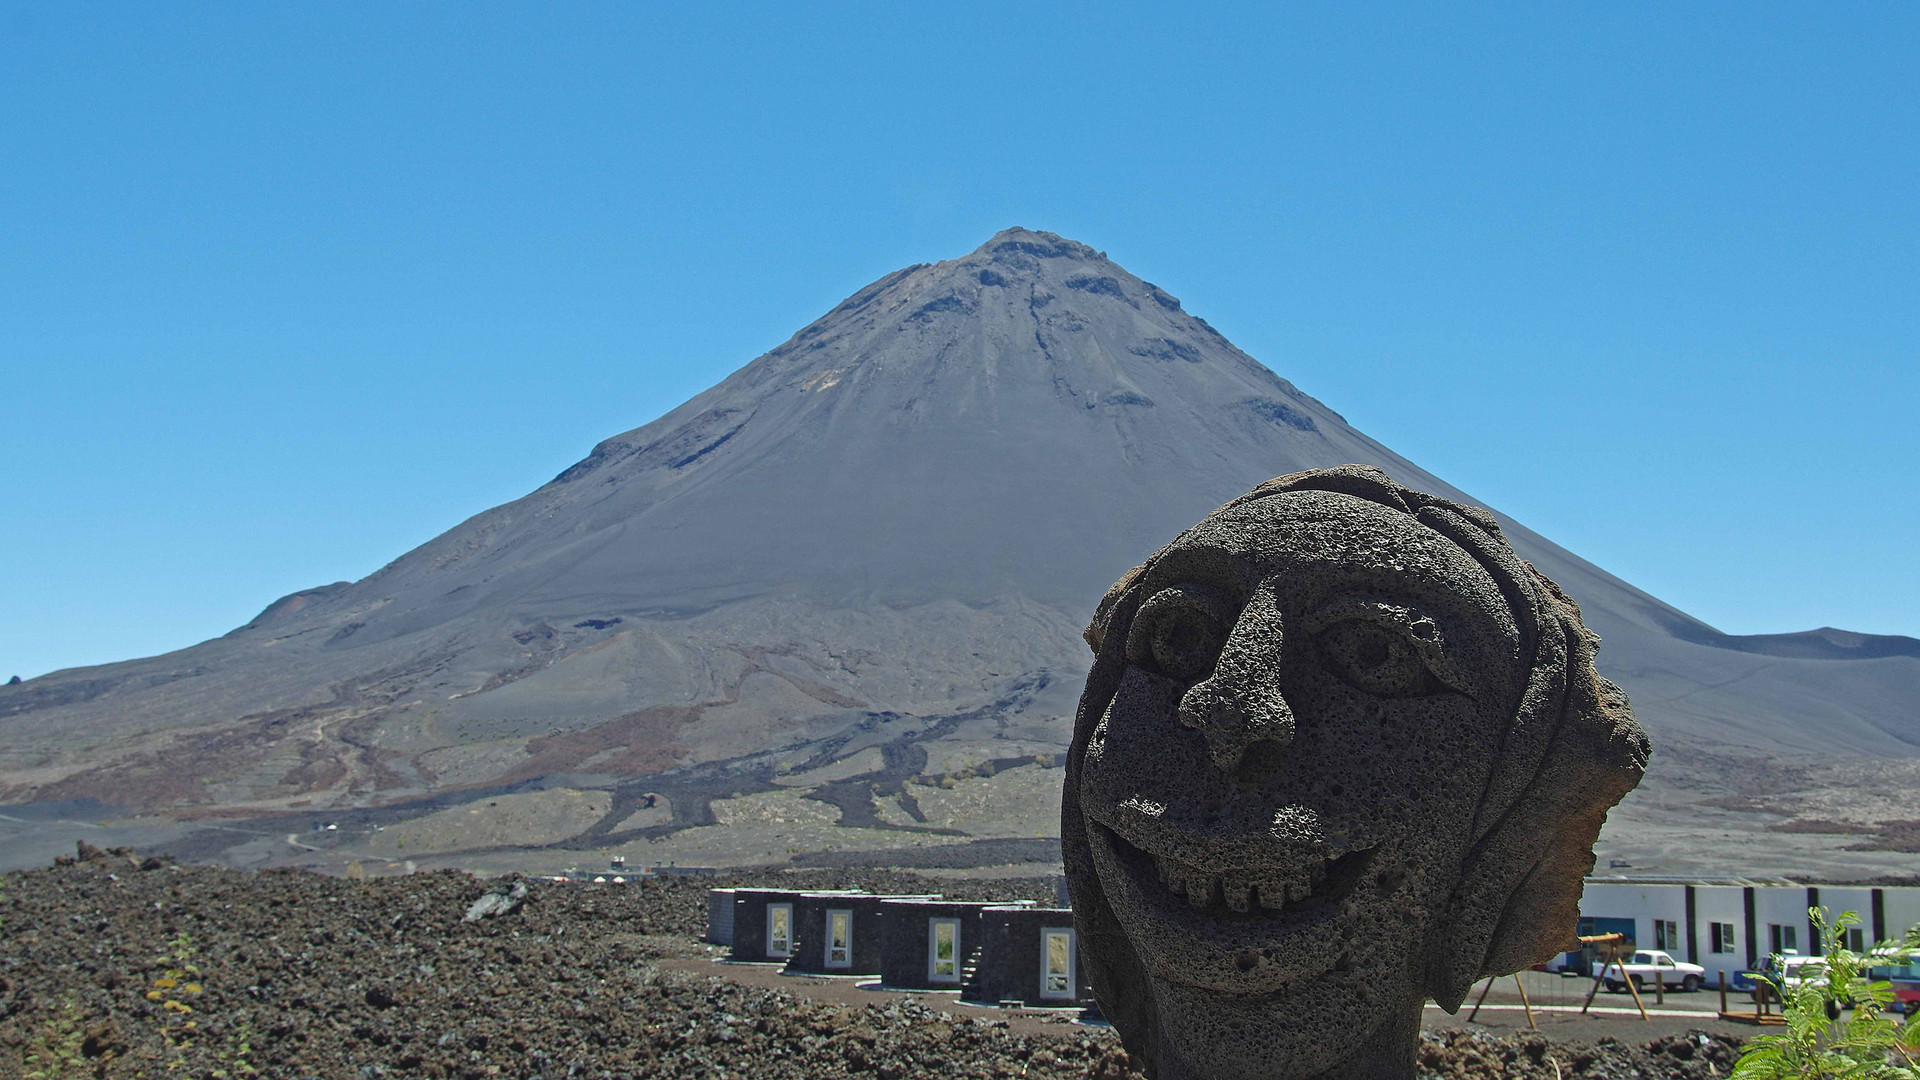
(1299, 886)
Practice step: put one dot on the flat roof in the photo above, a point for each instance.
(1740, 882)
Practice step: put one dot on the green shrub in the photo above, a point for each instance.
(1817, 1044)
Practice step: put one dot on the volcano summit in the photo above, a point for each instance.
(831, 610)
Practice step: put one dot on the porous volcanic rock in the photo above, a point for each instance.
(1341, 752)
(296, 975)
(291, 976)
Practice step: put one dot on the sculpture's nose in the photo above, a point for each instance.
(1240, 704)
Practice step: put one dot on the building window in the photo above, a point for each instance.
(840, 939)
(943, 950)
(1666, 934)
(1720, 937)
(1783, 938)
(1856, 939)
(1056, 964)
(780, 931)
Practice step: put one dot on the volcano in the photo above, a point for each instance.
(831, 608)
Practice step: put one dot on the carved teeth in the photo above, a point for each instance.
(1272, 889)
(1298, 888)
(1200, 889)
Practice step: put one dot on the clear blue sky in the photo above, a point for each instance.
(286, 290)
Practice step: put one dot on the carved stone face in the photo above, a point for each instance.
(1282, 791)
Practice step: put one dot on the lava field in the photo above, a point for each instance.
(117, 966)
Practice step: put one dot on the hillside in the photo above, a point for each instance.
(833, 604)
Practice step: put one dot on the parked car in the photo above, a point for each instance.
(1905, 978)
(1790, 971)
(1903, 973)
(1648, 965)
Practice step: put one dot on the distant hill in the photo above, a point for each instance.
(840, 593)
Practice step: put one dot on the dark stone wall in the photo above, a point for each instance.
(890, 933)
(720, 917)
(810, 934)
(1007, 966)
(904, 940)
(750, 921)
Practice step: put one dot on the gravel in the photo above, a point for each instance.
(112, 966)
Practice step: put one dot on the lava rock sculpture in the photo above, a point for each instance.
(1341, 751)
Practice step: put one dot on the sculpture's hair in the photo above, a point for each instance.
(1571, 750)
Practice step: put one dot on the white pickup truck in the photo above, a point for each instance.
(1649, 964)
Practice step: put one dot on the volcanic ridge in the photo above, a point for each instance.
(829, 612)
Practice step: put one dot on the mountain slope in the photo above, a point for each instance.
(882, 538)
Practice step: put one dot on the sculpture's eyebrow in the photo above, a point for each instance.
(1410, 619)
(1203, 564)
(1348, 605)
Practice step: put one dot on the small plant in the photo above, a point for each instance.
(171, 990)
(179, 993)
(55, 1051)
(1817, 1044)
(179, 951)
(235, 1055)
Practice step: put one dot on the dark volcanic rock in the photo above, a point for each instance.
(291, 976)
(1341, 753)
(296, 975)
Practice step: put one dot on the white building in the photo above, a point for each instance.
(1728, 925)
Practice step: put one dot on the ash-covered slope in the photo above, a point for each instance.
(885, 534)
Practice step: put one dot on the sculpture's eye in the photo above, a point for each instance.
(1179, 633)
(1378, 658)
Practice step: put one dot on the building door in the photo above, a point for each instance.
(779, 931)
(840, 938)
(943, 950)
(1056, 964)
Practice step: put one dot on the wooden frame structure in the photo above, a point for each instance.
(1612, 942)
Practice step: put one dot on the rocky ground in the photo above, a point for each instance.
(114, 966)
